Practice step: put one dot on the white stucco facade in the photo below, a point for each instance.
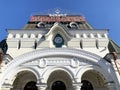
(74, 65)
(34, 57)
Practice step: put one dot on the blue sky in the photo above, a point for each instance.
(100, 14)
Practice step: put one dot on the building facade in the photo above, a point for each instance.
(59, 52)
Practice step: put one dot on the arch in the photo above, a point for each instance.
(84, 69)
(46, 74)
(96, 76)
(22, 79)
(59, 29)
(59, 76)
(73, 25)
(14, 73)
(94, 79)
(30, 69)
(54, 52)
(41, 25)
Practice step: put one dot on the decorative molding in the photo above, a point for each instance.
(37, 54)
(44, 62)
(75, 62)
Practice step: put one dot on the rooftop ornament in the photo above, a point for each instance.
(57, 16)
(57, 13)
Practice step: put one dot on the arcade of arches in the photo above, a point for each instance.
(60, 80)
(25, 80)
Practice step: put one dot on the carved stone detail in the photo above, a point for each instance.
(74, 62)
(42, 63)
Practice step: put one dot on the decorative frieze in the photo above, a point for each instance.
(44, 62)
(26, 39)
(77, 34)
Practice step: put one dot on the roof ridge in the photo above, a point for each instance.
(114, 46)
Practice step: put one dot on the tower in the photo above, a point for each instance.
(59, 51)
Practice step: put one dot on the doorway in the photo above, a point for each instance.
(30, 86)
(58, 85)
(86, 85)
(93, 80)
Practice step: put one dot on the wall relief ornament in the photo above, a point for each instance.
(74, 62)
(42, 63)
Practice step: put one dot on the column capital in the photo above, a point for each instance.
(77, 86)
(41, 86)
(40, 80)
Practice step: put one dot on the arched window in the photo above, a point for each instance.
(41, 25)
(73, 25)
(58, 40)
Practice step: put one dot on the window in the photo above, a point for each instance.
(58, 40)
(73, 25)
(41, 25)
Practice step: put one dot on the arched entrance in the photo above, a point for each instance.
(25, 80)
(31, 86)
(93, 80)
(86, 85)
(59, 80)
(58, 85)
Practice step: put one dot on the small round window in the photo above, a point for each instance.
(58, 40)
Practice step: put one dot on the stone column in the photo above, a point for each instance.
(77, 86)
(42, 86)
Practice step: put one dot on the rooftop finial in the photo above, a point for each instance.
(57, 12)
